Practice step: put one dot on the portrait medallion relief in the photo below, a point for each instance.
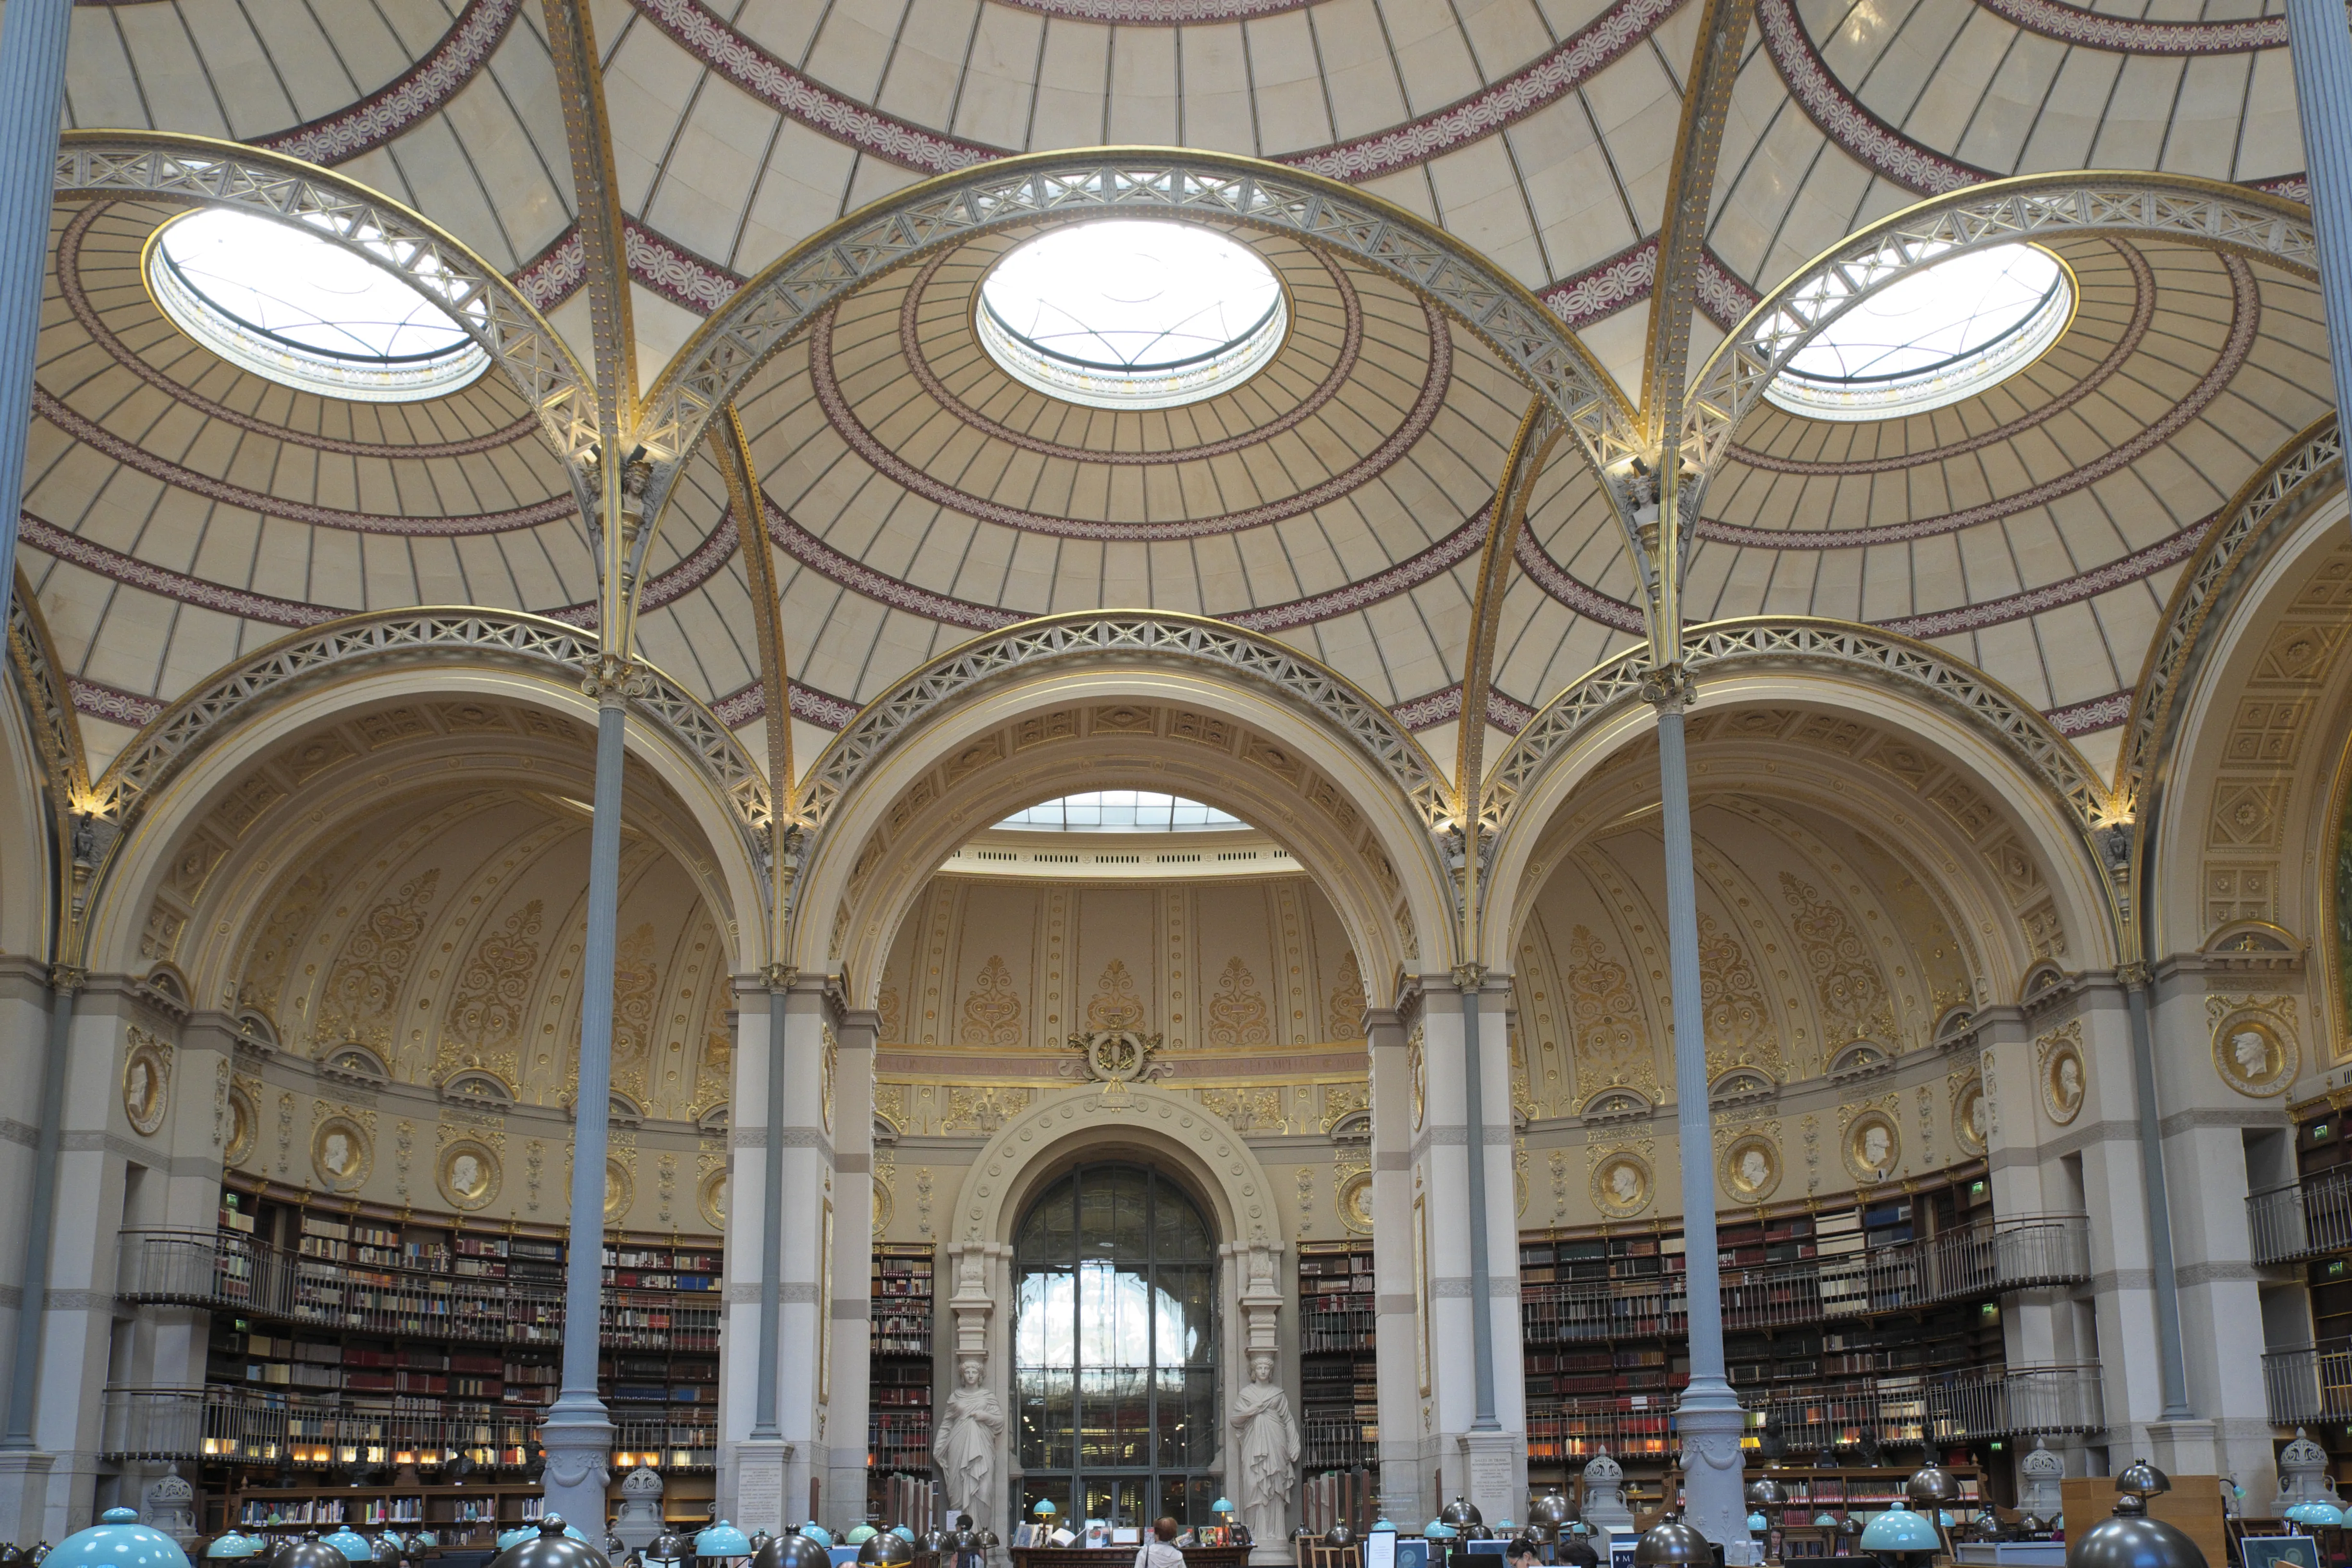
(711, 1199)
(1621, 1184)
(1749, 1168)
(1356, 1203)
(468, 1174)
(146, 1085)
(2254, 1055)
(620, 1191)
(243, 1122)
(1872, 1147)
(2064, 1080)
(1968, 1124)
(341, 1153)
(1416, 1067)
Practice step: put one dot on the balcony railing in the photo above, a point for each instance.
(1959, 1407)
(229, 1273)
(1339, 1443)
(667, 1444)
(2306, 1384)
(1980, 1260)
(898, 1440)
(1323, 1329)
(2302, 1219)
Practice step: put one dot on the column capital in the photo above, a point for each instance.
(612, 679)
(64, 979)
(1669, 688)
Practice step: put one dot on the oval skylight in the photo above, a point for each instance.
(1944, 332)
(1131, 314)
(286, 302)
(1123, 810)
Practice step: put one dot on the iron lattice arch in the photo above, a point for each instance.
(198, 171)
(1219, 645)
(720, 359)
(1915, 667)
(346, 647)
(2205, 213)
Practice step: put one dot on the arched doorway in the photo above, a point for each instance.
(1115, 1348)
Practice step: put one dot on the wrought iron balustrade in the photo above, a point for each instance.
(203, 1268)
(2302, 1219)
(1339, 1443)
(2305, 1384)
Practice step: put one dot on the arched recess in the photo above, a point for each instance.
(1139, 1121)
(1152, 701)
(2241, 783)
(2006, 751)
(165, 792)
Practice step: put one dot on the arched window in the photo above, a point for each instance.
(1114, 1350)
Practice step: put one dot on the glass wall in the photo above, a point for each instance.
(1114, 1350)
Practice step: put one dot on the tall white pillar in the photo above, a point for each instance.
(1400, 1352)
(2321, 47)
(853, 1254)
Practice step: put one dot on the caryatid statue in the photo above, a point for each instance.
(965, 1445)
(1267, 1448)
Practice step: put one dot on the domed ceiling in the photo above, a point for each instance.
(181, 511)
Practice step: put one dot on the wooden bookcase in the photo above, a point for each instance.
(1338, 1371)
(901, 1372)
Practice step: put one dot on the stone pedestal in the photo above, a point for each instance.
(579, 1445)
(759, 1470)
(24, 1495)
(640, 1519)
(1492, 1460)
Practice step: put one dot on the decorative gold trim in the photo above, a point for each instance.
(620, 1191)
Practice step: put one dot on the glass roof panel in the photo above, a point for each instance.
(1123, 810)
(307, 312)
(1935, 334)
(1131, 314)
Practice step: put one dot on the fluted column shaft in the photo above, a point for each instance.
(2321, 47)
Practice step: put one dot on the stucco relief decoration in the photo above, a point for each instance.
(2255, 1045)
(1873, 1145)
(1116, 1057)
(886, 1193)
(243, 1122)
(828, 1069)
(1416, 1067)
(635, 978)
(991, 1014)
(984, 1109)
(620, 1192)
(468, 1174)
(1609, 1041)
(1345, 1008)
(1621, 1179)
(1749, 1167)
(365, 989)
(146, 1082)
(1249, 1109)
(483, 1027)
(1237, 1011)
(893, 1013)
(1351, 1195)
(2060, 1068)
(710, 1197)
(1115, 1006)
(1738, 1019)
(1853, 993)
(1971, 1128)
(343, 1152)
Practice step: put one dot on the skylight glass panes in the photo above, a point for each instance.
(291, 304)
(1123, 810)
(1131, 314)
(1936, 334)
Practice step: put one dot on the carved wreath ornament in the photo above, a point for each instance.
(1116, 1057)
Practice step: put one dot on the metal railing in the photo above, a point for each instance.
(1957, 1407)
(2305, 1384)
(2301, 1219)
(666, 1445)
(229, 1273)
(1339, 1443)
(1323, 1329)
(1980, 1260)
(899, 1439)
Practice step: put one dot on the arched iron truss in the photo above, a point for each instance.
(716, 364)
(198, 171)
(2155, 206)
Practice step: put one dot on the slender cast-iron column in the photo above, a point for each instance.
(2321, 47)
(772, 1230)
(32, 100)
(25, 1380)
(1708, 1418)
(1471, 978)
(578, 1436)
(2172, 1366)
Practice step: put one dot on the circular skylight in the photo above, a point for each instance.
(1123, 810)
(1935, 335)
(285, 301)
(1131, 314)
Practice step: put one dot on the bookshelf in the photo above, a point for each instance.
(391, 1367)
(1338, 1373)
(901, 1373)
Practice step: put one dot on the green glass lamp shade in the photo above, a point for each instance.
(1045, 1508)
(2315, 1512)
(351, 1543)
(859, 1536)
(903, 1533)
(818, 1533)
(1825, 1521)
(235, 1545)
(1756, 1523)
(722, 1539)
(1439, 1530)
(1900, 1529)
(118, 1540)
